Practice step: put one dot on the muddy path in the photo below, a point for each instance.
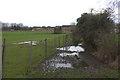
(83, 62)
(76, 63)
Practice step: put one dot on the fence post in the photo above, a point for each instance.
(45, 48)
(31, 51)
(54, 41)
(59, 41)
(63, 42)
(70, 38)
(3, 56)
(66, 42)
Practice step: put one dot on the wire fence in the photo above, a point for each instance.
(18, 57)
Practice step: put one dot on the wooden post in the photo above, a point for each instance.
(31, 51)
(45, 48)
(3, 57)
(3, 50)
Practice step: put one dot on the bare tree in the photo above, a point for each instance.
(115, 5)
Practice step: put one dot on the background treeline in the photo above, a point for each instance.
(16, 28)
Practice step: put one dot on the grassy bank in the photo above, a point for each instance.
(18, 57)
(69, 73)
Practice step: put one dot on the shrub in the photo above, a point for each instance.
(97, 33)
(90, 26)
(58, 30)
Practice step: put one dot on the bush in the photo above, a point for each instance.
(76, 38)
(58, 30)
(90, 26)
(108, 48)
(97, 33)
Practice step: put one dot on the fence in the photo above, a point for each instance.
(18, 57)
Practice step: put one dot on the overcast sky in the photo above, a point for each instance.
(46, 12)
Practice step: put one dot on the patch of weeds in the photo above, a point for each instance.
(102, 73)
(22, 75)
(32, 72)
(80, 64)
(108, 73)
(77, 57)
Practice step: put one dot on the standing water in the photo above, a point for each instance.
(60, 61)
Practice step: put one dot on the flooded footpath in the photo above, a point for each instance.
(69, 57)
(73, 60)
(61, 59)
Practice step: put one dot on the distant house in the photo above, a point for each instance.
(49, 28)
(35, 28)
(43, 28)
(66, 27)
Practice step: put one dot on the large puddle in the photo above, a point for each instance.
(72, 48)
(28, 42)
(64, 54)
(61, 65)
(60, 60)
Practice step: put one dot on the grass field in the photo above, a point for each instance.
(18, 57)
(18, 36)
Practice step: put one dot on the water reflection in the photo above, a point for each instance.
(68, 54)
(60, 60)
(28, 42)
(62, 65)
(72, 48)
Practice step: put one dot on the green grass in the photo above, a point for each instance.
(118, 37)
(18, 36)
(59, 73)
(69, 73)
(18, 57)
(110, 73)
(80, 64)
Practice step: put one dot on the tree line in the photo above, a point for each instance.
(16, 28)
